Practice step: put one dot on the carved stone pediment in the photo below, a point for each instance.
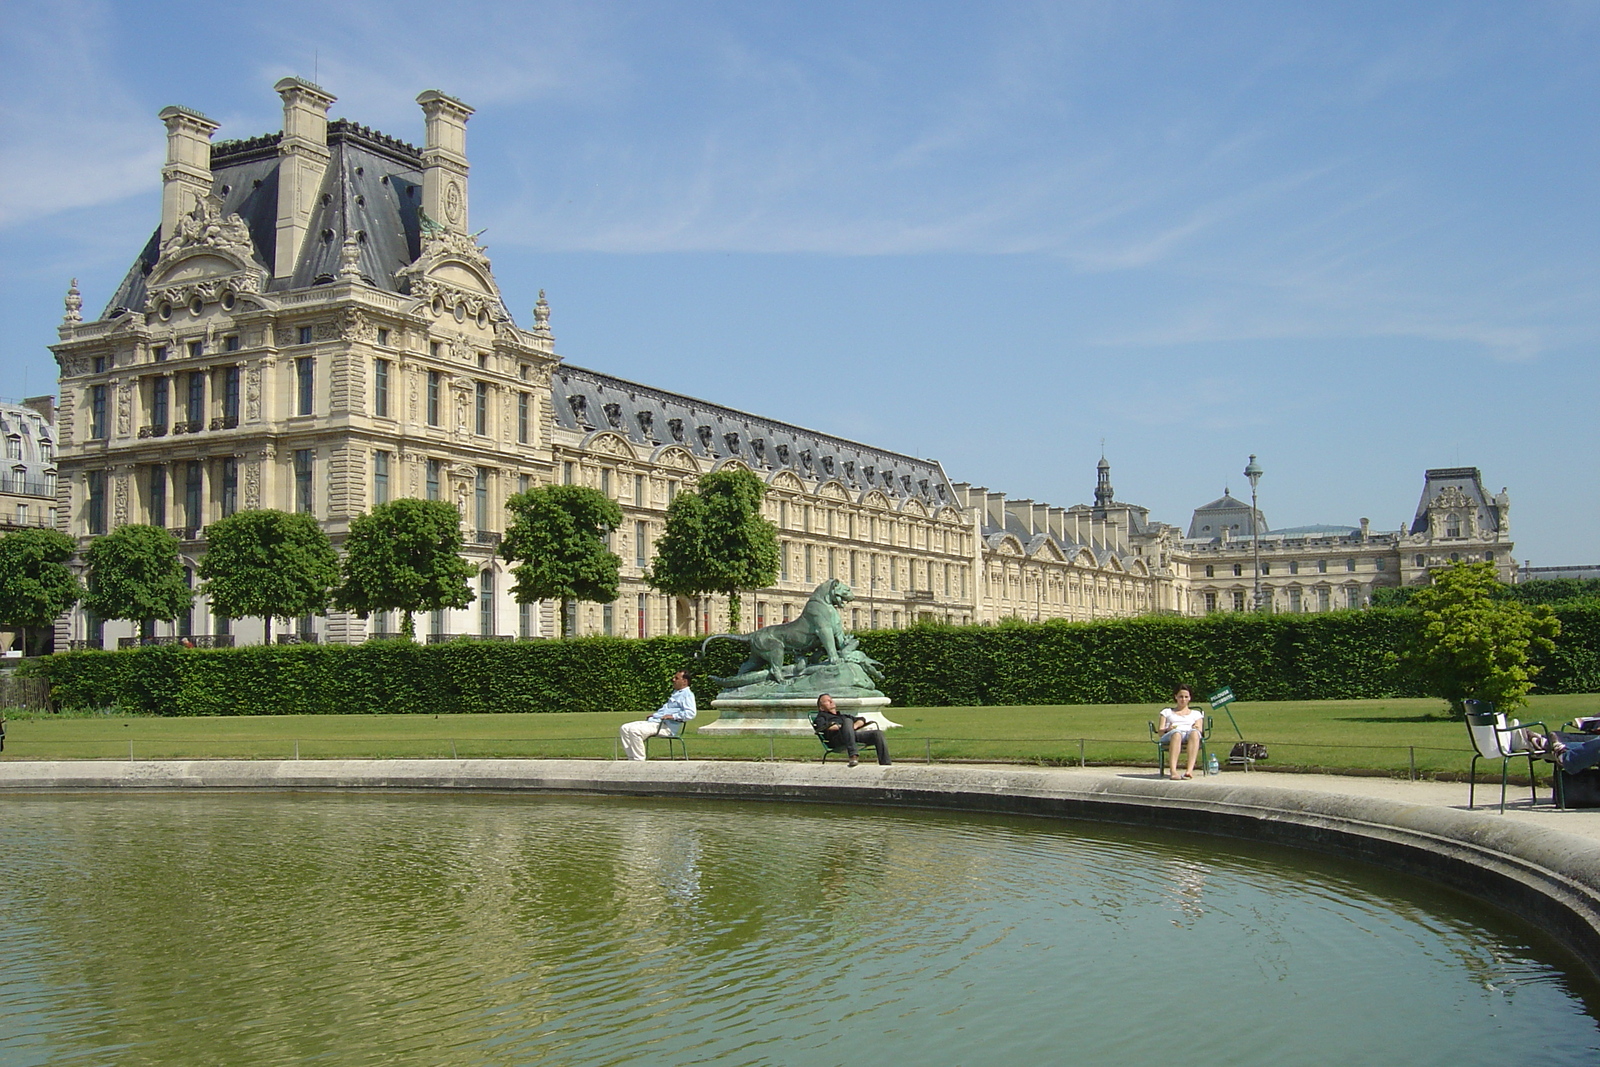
(608, 444)
(1451, 496)
(453, 276)
(207, 228)
(786, 480)
(677, 457)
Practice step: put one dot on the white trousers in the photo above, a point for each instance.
(634, 733)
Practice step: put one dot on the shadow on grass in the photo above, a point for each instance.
(1424, 717)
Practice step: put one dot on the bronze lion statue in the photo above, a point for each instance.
(817, 635)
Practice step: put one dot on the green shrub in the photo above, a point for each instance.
(1346, 654)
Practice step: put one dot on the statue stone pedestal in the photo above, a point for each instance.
(786, 717)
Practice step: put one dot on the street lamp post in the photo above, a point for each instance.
(1254, 472)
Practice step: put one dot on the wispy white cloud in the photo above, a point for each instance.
(68, 137)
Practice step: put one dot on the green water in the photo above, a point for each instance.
(186, 929)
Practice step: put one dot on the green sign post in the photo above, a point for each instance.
(1221, 699)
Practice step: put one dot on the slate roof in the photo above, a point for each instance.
(1467, 479)
(25, 430)
(371, 188)
(1226, 511)
(649, 417)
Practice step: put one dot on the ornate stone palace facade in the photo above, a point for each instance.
(312, 328)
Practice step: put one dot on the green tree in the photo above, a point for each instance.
(35, 584)
(557, 540)
(265, 563)
(1475, 641)
(405, 556)
(716, 541)
(134, 574)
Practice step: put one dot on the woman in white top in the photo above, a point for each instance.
(1181, 725)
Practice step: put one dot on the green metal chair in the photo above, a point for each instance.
(1494, 738)
(1161, 750)
(832, 741)
(670, 730)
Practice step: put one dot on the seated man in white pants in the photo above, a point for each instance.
(678, 708)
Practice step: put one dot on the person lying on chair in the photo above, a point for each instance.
(853, 729)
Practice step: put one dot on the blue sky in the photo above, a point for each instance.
(1356, 239)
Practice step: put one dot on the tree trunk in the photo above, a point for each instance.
(408, 629)
(561, 610)
(267, 622)
(733, 611)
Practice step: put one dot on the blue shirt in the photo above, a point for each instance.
(680, 705)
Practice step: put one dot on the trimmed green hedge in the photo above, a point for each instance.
(1344, 655)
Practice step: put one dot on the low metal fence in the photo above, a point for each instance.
(1415, 762)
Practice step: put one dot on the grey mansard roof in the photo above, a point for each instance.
(371, 188)
(32, 437)
(1225, 513)
(1460, 487)
(650, 417)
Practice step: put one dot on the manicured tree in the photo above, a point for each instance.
(1475, 641)
(557, 540)
(134, 574)
(35, 584)
(716, 541)
(268, 563)
(405, 556)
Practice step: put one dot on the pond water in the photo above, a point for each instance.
(447, 929)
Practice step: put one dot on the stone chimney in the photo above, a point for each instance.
(187, 176)
(444, 160)
(302, 160)
(44, 405)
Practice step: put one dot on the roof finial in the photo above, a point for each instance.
(350, 258)
(541, 316)
(74, 303)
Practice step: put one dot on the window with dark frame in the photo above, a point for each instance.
(194, 494)
(97, 412)
(97, 502)
(380, 388)
(230, 395)
(433, 397)
(302, 480)
(159, 412)
(432, 487)
(380, 478)
(195, 404)
(522, 418)
(481, 410)
(158, 495)
(230, 486)
(305, 368)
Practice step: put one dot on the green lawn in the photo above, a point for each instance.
(1381, 736)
